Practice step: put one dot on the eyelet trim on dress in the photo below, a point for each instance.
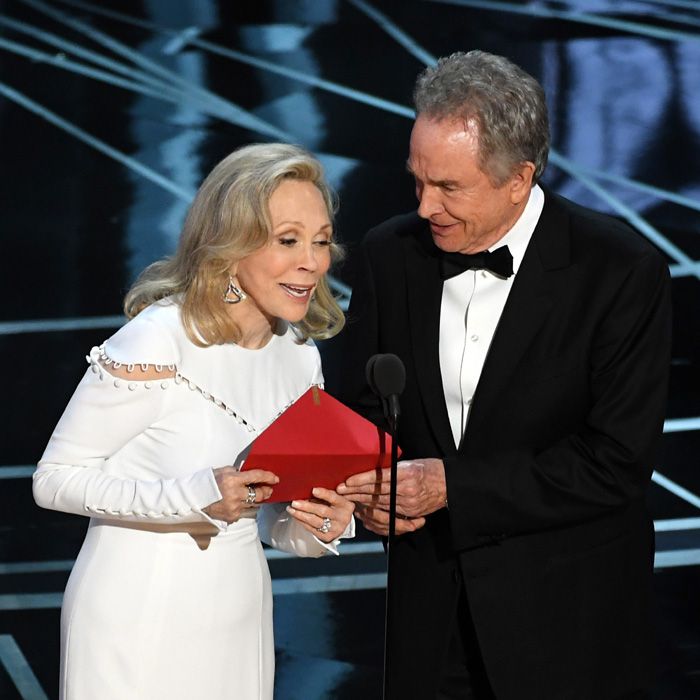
(98, 357)
(289, 404)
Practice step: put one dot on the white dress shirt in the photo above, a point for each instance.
(472, 304)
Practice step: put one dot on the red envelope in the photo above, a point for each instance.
(317, 441)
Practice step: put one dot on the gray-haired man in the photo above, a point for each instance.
(536, 384)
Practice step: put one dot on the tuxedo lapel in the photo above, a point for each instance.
(424, 301)
(535, 288)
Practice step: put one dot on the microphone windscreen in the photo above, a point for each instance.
(389, 375)
(369, 373)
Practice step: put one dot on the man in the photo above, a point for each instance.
(535, 396)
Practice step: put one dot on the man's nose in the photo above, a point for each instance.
(429, 202)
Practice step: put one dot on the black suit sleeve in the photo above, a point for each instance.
(607, 461)
(359, 341)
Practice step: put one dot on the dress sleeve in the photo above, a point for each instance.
(104, 414)
(281, 531)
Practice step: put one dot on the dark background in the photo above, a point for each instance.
(110, 116)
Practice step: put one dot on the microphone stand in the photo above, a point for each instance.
(393, 418)
(394, 425)
(386, 377)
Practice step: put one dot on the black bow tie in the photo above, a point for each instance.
(500, 262)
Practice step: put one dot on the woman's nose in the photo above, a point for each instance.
(309, 258)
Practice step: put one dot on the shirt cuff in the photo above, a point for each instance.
(213, 496)
(348, 533)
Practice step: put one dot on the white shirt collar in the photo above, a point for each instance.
(518, 237)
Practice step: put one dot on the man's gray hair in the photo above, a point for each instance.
(506, 103)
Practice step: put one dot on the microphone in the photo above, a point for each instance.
(386, 376)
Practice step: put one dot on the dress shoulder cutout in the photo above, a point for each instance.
(151, 338)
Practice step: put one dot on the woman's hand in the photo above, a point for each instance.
(237, 490)
(326, 515)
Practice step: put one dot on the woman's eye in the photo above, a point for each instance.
(323, 243)
(287, 241)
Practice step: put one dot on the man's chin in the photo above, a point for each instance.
(447, 238)
(447, 244)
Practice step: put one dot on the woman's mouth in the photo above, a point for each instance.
(300, 292)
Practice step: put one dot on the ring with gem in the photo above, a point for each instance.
(326, 526)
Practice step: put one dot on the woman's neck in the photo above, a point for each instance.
(256, 328)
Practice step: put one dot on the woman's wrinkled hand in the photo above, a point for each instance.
(327, 515)
(233, 486)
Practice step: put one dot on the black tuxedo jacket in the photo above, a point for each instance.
(546, 520)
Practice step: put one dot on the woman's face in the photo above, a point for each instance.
(280, 278)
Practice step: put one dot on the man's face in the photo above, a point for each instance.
(467, 213)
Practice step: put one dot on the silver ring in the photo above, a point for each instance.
(326, 526)
(252, 495)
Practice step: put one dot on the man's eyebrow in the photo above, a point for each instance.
(437, 183)
(445, 183)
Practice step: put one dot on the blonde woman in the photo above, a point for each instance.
(170, 596)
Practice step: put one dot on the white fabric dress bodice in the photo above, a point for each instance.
(137, 457)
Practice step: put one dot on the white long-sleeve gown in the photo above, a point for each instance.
(151, 612)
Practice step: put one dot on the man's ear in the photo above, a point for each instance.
(521, 182)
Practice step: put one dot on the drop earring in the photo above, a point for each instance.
(233, 293)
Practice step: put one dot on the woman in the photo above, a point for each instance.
(170, 596)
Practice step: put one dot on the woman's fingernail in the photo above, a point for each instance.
(295, 504)
(290, 509)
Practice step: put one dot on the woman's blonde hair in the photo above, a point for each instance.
(228, 220)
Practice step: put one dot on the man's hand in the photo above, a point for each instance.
(377, 520)
(420, 489)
